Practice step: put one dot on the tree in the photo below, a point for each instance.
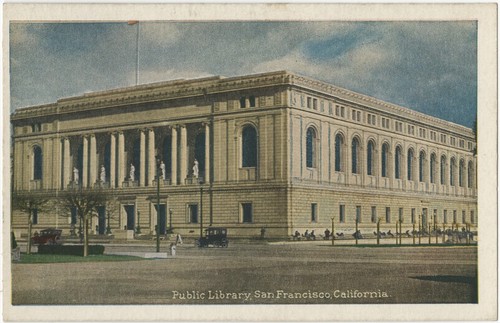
(29, 202)
(86, 203)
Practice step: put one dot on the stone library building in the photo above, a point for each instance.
(274, 152)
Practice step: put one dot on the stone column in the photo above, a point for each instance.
(174, 156)
(142, 168)
(67, 167)
(121, 159)
(151, 156)
(112, 161)
(85, 166)
(207, 153)
(92, 161)
(183, 155)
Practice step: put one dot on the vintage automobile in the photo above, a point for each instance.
(47, 236)
(216, 237)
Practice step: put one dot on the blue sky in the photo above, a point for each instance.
(429, 67)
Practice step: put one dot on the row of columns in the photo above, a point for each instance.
(118, 165)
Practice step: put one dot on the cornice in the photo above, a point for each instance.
(178, 89)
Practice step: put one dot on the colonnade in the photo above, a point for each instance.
(119, 156)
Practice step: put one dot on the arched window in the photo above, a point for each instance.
(421, 167)
(385, 160)
(369, 157)
(470, 175)
(397, 163)
(249, 147)
(452, 171)
(443, 169)
(339, 153)
(410, 165)
(37, 163)
(310, 147)
(461, 172)
(355, 155)
(433, 168)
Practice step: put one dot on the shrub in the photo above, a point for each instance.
(69, 250)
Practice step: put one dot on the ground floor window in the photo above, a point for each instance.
(472, 216)
(342, 213)
(435, 215)
(463, 217)
(413, 215)
(358, 214)
(374, 214)
(314, 212)
(34, 216)
(445, 216)
(246, 213)
(454, 216)
(388, 215)
(401, 214)
(73, 215)
(193, 213)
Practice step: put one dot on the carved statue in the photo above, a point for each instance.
(132, 172)
(195, 169)
(162, 170)
(103, 174)
(75, 175)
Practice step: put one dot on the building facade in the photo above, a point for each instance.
(276, 151)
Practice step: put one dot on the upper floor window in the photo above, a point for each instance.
(371, 119)
(36, 127)
(249, 147)
(385, 155)
(397, 163)
(310, 147)
(452, 141)
(37, 163)
(340, 111)
(309, 102)
(470, 175)
(461, 143)
(315, 104)
(421, 132)
(409, 164)
(443, 138)
(411, 130)
(339, 152)
(247, 102)
(369, 158)
(355, 155)
(243, 102)
(433, 135)
(356, 115)
(385, 123)
(399, 126)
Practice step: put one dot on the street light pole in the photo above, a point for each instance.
(333, 231)
(158, 202)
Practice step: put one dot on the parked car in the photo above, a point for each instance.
(216, 237)
(47, 236)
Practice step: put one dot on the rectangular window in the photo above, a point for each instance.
(193, 213)
(358, 213)
(436, 216)
(302, 101)
(330, 108)
(454, 216)
(445, 216)
(34, 216)
(461, 143)
(399, 126)
(464, 220)
(354, 115)
(388, 215)
(73, 215)
(314, 212)
(315, 104)
(472, 217)
(342, 213)
(342, 112)
(322, 106)
(252, 101)
(452, 141)
(413, 215)
(401, 218)
(443, 138)
(469, 145)
(374, 214)
(246, 213)
(358, 114)
(309, 102)
(337, 110)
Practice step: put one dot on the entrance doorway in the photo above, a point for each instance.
(130, 210)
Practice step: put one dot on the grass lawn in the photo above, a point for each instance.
(405, 245)
(35, 258)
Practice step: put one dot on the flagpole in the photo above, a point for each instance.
(136, 22)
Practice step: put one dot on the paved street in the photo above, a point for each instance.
(276, 273)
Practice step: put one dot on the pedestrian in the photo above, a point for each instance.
(178, 239)
(327, 234)
(173, 249)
